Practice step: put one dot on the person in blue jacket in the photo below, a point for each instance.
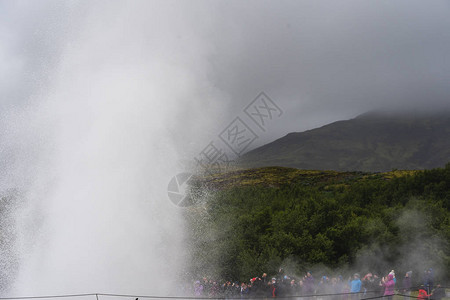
(355, 286)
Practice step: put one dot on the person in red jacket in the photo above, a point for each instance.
(423, 294)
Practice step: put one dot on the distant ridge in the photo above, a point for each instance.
(372, 142)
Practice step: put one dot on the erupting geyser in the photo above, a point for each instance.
(92, 143)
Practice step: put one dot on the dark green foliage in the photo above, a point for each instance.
(338, 220)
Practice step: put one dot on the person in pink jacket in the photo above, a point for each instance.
(389, 285)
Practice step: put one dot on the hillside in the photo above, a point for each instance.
(259, 220)
(371, 142)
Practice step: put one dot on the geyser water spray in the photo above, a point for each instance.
(112, 90)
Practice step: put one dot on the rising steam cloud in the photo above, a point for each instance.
(93, 138)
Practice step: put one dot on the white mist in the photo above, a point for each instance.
(97, 142)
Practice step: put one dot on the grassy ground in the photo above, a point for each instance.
(277, 176)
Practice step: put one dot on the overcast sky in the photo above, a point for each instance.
(320, 61)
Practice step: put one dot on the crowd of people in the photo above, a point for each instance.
(322, 288)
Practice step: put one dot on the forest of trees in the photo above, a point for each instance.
(330, 221)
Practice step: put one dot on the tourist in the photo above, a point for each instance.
(406, 285)
(355, 286)
(389, 285)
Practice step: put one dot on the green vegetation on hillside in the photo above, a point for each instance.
(255, 221)
(372, 142)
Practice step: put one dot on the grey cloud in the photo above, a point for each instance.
(325, 60)
(320, 60)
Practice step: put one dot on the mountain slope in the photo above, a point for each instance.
(370, 142)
